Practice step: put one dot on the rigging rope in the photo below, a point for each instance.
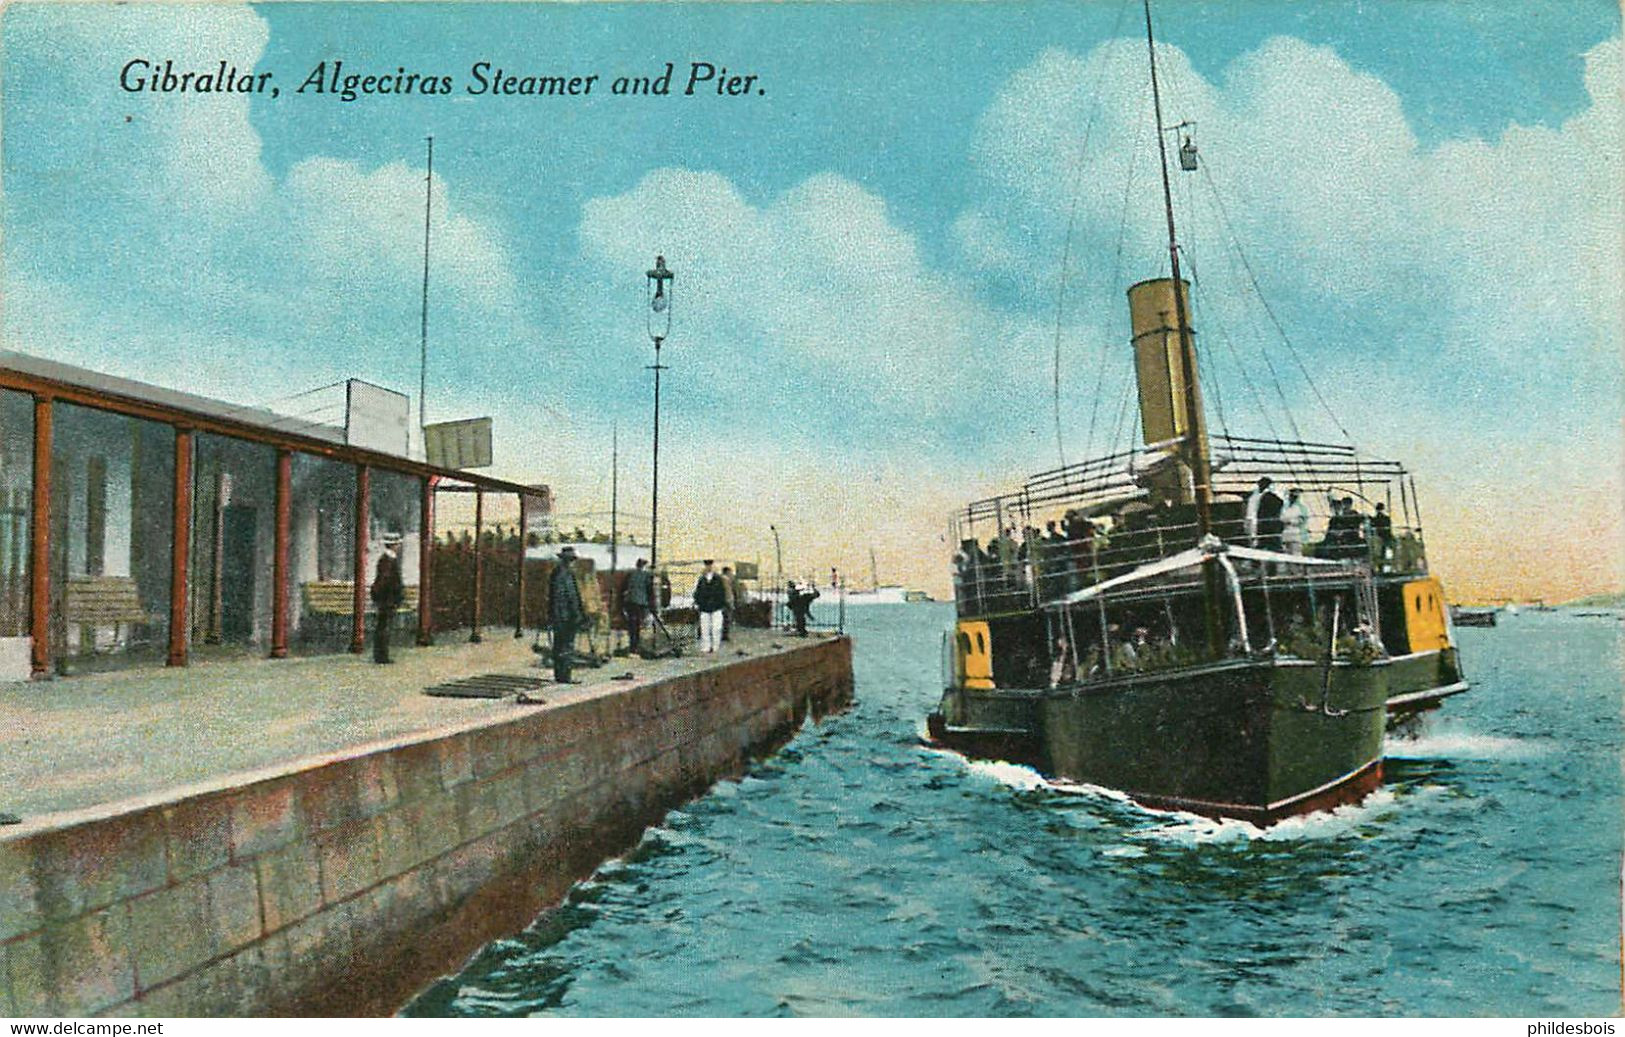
(1253, 277)
(1252, 386)
(1117, 268)
(1280, 393)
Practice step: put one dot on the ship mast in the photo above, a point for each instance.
(1195, 440)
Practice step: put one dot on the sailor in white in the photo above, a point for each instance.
(1294, 523)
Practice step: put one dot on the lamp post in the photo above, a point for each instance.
(778, 556)
(659, 319)
(783, 602)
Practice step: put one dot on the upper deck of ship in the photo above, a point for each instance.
(1082, 524)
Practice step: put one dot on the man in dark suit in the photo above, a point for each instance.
(800, 601)
(387, 595)
(564, 612)
(1382, 532)
(635, 605)
(1269, 516)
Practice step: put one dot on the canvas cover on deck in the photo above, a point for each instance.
(1191, 559)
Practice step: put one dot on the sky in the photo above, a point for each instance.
(879, 248)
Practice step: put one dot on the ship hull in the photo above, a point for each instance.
(1419, 682)
(1253, 740)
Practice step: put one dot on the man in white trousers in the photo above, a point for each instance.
(710, 598)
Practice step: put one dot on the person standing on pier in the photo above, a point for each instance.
(801, 599)
(731, 593)
(565, 613)
(639, 594)
(387, 595)
(711, 599)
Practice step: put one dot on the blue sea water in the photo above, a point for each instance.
(859, 873)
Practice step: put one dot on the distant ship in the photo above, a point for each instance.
(1167, 641)
(890, 594)
(878, 593)
(1462, 616)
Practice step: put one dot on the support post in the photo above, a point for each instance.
(358, 601)
(426, 561)
(654, 496)
(279, 566)
(180, 560)
(39, 553)
(479, 567)
(519, 609)
(217, 555)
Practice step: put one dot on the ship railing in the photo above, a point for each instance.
(1104, 485)
(1040, 569)
(1101, 632)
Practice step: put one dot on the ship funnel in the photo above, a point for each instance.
(1160, 373)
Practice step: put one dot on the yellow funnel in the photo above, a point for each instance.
(1160, 373)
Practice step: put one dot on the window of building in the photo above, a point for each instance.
(16, 509)
(112, 537)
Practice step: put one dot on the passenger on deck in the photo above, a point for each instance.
(1007, 549)
(1062, 668)
(1081, 533)
(1124, 658)
(1354, 536)
(1145, 652)
(1382, 532)
(1263, 521)
(1344, 530)
(1027, 555)
(1294, 523)
(1364, 635)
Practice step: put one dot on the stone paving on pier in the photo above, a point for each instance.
(83, 741)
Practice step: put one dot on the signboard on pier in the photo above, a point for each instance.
(458, 444)
(376, 418)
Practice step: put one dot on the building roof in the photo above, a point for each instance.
(154, 402)
(112, 385)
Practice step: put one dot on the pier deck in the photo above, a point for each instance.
(318, 837)
(100, 738)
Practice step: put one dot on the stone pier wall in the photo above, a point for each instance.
(342, 885)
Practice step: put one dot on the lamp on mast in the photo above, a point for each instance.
(660, 281)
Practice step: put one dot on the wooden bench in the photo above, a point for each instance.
(102, 601)
(337, 598)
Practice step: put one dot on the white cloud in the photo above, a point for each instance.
(195, 242)
(1329, 190)
(819, 278)
(365, 230)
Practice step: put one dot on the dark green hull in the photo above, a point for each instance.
(1250, 739)
(1420, 681)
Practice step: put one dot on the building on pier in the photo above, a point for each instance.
(139, 524)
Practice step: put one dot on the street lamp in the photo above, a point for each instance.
(783, 599)
(778, 556)
(661, 281)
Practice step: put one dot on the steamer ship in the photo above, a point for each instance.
(1133, 623)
